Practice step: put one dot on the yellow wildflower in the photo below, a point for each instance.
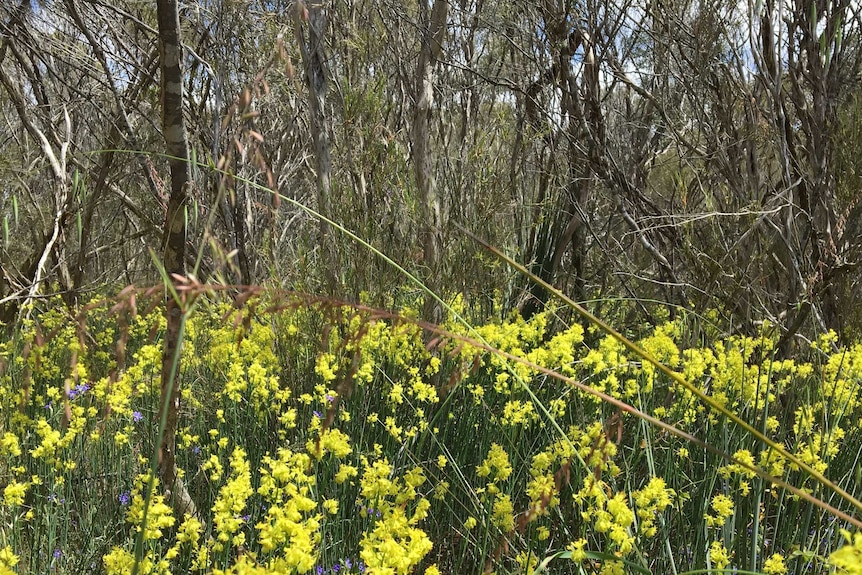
(775, 565)
(9, 445)
(718, 555)
(848, 559)
(7, 557)
(576, 549)
(723, 506)
(14, 493)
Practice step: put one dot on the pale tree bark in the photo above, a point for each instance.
(56, 156)
(173, 242)
(53, 149)
(433, 29)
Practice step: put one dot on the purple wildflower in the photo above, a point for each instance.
(137, 416)
(125, 497)
(79, 390)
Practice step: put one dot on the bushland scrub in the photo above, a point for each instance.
(318, 437)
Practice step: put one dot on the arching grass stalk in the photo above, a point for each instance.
(411, 277)
(398, 267)
(623, 406)
(676, 377)
(185, 309)
(478, 342)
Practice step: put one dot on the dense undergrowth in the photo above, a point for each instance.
(320, 438)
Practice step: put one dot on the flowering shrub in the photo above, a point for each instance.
(320, 439)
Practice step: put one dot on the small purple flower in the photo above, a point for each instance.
(57, 553)
(196, 449)
(361, 567)
(316, 414)
(49, 405)
(330, 398)
(125, 497)
(320, 570)
(348, 564)
(336, 568)
(137, 416)
(79, 390)
(374, 512)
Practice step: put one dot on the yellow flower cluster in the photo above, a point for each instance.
(722, 505)
(652, 500)
(159, 514)
(290, 531)
(8, 560)
(395, 544)
(774, 565)
(230, 503)
(848, 559)
(743, 471)
(14, 492)
(496, 466)
(718, 555)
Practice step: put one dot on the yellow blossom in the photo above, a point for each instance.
(7, 557)
(496, 465)
(718, 555)
(576, 550)
(14, 492)
(9, 445)
(331, 506)
(848, 559)
(775, 565)
(723, 506)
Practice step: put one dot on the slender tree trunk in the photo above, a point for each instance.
(174, 240)
(313, 59)
(433, 32)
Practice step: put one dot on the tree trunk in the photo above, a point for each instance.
(173, 242)
(433, 32)
(313, 58)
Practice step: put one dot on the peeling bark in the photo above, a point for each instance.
(173, 243)
(433, 34)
